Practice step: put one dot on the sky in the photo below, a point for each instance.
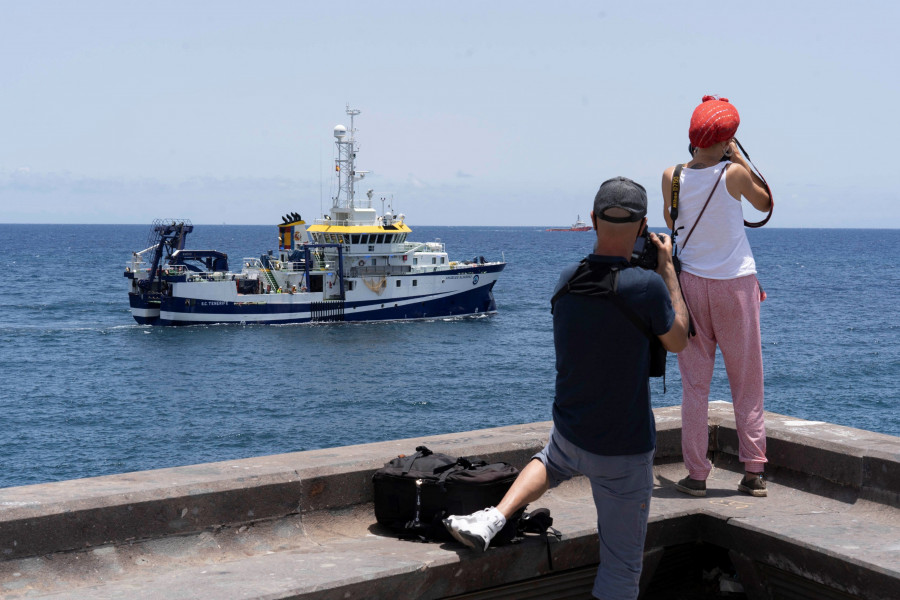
(472, 113)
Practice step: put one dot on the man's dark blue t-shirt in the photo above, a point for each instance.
(602, 402)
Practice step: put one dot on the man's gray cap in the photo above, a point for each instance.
(620, 200)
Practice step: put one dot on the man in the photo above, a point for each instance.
(603, 425)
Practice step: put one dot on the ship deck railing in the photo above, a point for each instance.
(206, 276)
(407, 247)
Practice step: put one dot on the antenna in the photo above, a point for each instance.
(321, 177)
(345, 163)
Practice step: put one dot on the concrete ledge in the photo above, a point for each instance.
(301, 525)
(41, 519)
(862, 460)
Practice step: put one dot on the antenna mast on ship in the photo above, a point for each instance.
(344, 163)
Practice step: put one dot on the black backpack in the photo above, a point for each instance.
(413, 494)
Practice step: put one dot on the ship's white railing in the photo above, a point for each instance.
(252, 263)
(408, 247)
(345, 223)
(214, 276)
(173, 270)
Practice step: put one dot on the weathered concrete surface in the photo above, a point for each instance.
(302, 525)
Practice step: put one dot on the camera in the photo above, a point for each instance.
(726, 156)
(645, 253)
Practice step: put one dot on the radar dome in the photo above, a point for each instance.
(340, 131)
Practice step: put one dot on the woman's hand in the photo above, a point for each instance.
(733, 152)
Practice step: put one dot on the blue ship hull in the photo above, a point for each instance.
(165, 310)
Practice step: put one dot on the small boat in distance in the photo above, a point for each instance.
(579, 225)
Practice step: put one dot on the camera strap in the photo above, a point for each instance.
(713, 191)
(765, 183)
(673, 214)
(676, 186)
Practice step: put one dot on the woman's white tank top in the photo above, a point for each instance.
(718, 248)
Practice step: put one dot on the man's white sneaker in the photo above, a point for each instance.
(476, 530)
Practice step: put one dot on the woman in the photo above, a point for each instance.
(719, 283)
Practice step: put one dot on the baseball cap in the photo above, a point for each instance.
(620, 200)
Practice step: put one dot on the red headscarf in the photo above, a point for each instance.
(714, 121)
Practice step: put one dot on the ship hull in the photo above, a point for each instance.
(440, 294)
(144, 308)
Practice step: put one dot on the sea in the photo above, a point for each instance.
(86, 391)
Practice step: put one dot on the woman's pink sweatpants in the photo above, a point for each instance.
(724, 312)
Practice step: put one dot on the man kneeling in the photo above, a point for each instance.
(603, 426)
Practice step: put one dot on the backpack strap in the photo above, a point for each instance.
(462, 464)
(409, 460)
(585, 282)
(540, 522)
(582, 273)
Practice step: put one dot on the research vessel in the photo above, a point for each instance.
(351, 265)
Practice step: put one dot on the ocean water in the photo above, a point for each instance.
(85, 391)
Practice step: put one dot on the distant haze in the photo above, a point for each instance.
(473, 113)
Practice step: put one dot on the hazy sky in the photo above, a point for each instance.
(473, 113)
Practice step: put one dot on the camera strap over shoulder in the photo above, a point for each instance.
(765, 183)
(676, 187)
(713, 191)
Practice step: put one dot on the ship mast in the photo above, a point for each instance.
(344, 164)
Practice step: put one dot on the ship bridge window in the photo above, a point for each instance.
(380, 238)
(354, 238)
(363, 239)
